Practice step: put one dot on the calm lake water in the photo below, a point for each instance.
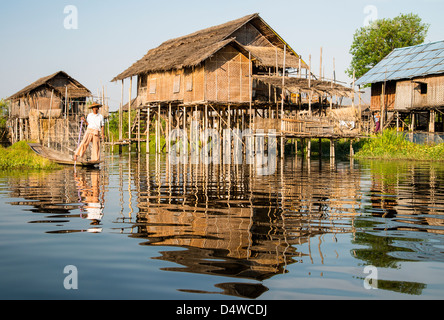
(142, 229)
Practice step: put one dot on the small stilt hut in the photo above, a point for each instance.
(407, 88)
(48, 110)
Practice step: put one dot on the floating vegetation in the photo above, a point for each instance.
(20, 156)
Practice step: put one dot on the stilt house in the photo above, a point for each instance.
(240, 74)
(57, 96)
(407, 88)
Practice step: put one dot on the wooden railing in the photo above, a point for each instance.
(295, 126)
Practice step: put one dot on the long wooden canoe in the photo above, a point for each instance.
(60, 157)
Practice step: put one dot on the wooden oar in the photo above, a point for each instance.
(78, 141)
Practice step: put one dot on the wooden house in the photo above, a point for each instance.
(211, 65)
(233, 75)
(407, 87)
(57, 96)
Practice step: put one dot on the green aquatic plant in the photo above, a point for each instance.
(392, 145)
(19, 156)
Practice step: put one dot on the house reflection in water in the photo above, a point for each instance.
(235, 223)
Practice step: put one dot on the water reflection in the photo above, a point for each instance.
(91, 196)
(61, 192)
(235, 223)
(225, 220)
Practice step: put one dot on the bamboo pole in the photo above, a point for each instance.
(250, 92)
(309, 86)
(66, 101)
(121, 115)
(184, 119)
(158, 129)
(353, 86)
(382, 117)
(360, 109)
(121, 119)
(331, 94)
(169, 127)
(282, 100)
(334, 81)
(138, 130)
(332, 148)
(49, 123)
(129, 114)
(148, 123)
(300, 68)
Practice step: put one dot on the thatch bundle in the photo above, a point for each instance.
(344, 114)
(302, 85)
(344, 119)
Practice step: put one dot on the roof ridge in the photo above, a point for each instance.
(251, 16)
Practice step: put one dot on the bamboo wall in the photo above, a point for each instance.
(223, 78)
(40, 100)
(411, 95)
(419, 93)
(185, 85)
(227, 76)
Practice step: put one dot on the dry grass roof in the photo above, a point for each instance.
(296, 85)
(75, 88)
(193, 49)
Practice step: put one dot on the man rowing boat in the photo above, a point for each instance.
(95, 124)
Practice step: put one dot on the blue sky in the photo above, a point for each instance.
(111, 35)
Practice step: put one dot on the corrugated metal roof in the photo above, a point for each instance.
(407, 63)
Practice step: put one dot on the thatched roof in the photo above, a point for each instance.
(269, 57)
(193, 49)
(296, 85)
(75, 88)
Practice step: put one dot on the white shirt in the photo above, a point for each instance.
(95, 121)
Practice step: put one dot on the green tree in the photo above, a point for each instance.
(372, 43)
(3, 119)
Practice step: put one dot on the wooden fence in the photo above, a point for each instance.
(296, 127)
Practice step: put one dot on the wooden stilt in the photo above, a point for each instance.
(148, 122)
(332, 148)
(309, 148)
(352, 152)
(121, 120)
(309, 86)
(432, 121)
(169, 129)
(282, 101)
(158, 130)
(129, 113)
(138, 130)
